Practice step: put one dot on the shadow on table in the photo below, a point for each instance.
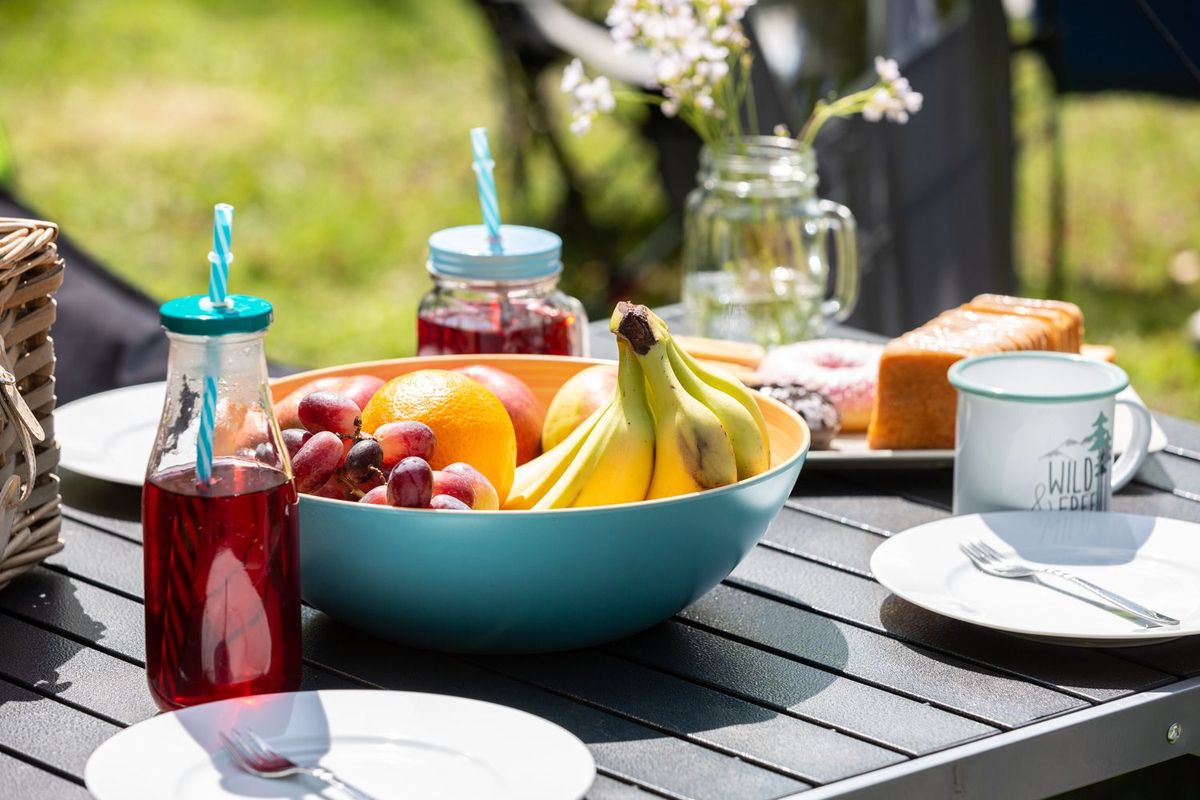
(41, 596)
(102, 498)
(659, 688)
(1065, 665)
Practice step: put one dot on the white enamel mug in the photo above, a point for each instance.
(1035, 433)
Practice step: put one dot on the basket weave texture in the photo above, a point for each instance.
(30, 272)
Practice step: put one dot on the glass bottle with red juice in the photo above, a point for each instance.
(498, 296)
(221, 562)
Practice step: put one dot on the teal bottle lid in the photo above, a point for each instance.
(197, 316)
(522, 254)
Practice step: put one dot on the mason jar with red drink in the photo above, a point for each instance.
(498, 295)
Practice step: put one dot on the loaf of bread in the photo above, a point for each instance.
(915, 405)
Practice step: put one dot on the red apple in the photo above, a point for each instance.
(486, 498)
(455, 485)
(575, 401)
(358, 388)
(523, 408)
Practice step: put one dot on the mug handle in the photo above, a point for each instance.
(838, 219)
(1135, 452)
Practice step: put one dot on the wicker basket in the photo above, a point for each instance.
(30, 272)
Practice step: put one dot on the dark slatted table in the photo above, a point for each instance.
(799, 674)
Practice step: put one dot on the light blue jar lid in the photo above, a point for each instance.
(195, 315)
(523, 254)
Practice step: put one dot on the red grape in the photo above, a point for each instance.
(364, 460)
(335, 489)
(411, 483)
(455, 486)
(404, 440)
(377, 496)
(329, 411)
(265, 453)
(316, 461)
(294, 439)
(447, 502)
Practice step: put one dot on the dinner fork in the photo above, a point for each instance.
(988, 559)
(255, 756)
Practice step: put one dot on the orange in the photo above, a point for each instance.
(470, 422)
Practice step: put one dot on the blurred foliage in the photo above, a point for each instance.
(339, 131)
(1132, 184)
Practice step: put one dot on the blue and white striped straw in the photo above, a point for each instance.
(486, 182)
(218, 288)
(221, 255)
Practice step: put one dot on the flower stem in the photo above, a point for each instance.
(842, 107)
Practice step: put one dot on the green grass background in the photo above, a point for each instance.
(339, 132)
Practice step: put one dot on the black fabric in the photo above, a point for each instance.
(933, 198)
(107, 333)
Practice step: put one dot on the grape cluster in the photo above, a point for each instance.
(332, 457)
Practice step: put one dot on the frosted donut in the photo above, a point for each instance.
(844, 370)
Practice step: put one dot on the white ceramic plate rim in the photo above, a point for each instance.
(562, 764)
(73, 419)
(857, 454)
(885, 568)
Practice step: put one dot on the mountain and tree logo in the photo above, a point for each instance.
(1077, 470)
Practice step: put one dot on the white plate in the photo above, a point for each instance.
(1153, 560)
(850, 450)
(387, 744)
(109, 435)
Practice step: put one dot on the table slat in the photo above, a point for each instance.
(1172, 473)
(101, 558)
(747, 730)
(74, 672)
(20, 780)
(896, 666)
(856, 504)
(605, 788)
(622, 748)
(1180, 433)
(108, 622)
(825, 540)
(1090, 674)
(1137, 498)
(787, 685)
(49, 732)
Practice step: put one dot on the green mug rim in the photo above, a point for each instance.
(960, 382)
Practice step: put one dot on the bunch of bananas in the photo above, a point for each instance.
(671, 427)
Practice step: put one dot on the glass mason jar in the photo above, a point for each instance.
(501, 298)
(756, 246)
(222, 581)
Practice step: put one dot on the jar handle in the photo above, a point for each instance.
(837, 218)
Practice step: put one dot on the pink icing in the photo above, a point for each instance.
(843, 370)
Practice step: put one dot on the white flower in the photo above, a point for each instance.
(895, 98)
(877, 105)
(667, 70)
(588, 97)
(603, 96)
(689, 41)
(887, 68)
(782, 130)
(572, 76)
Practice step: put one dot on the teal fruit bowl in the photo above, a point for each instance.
(532, 581)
